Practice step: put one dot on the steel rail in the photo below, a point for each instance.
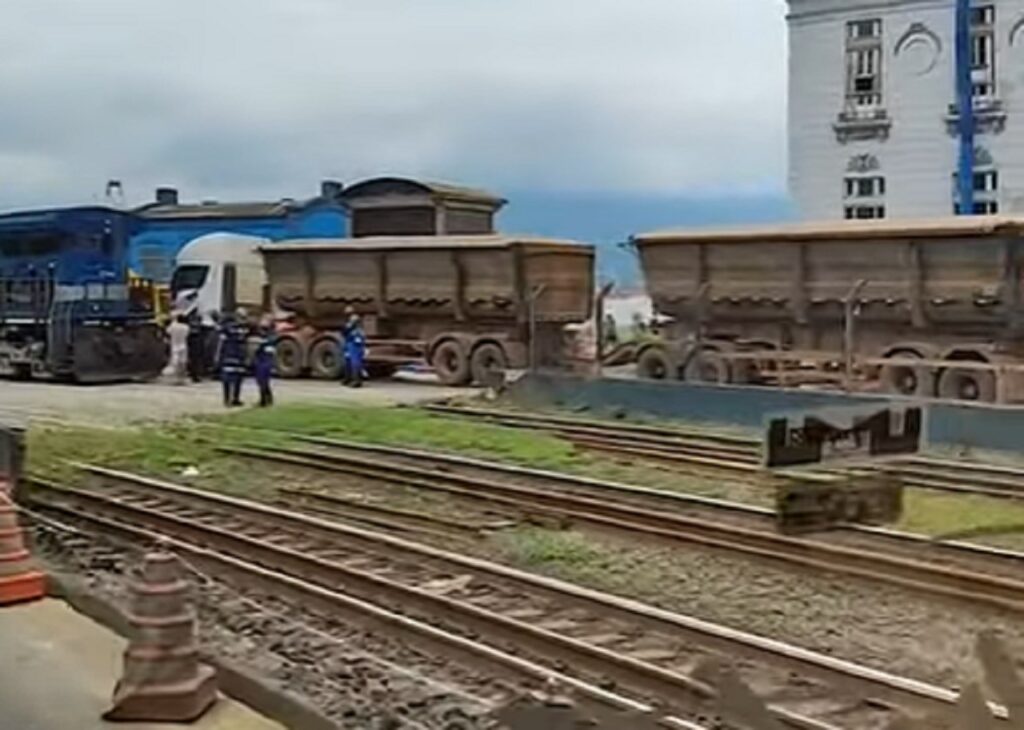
(739, 442)
(366, 614)
(949, 582)
(693, 449)
(637, 676)
(690, 503)
(867, 681)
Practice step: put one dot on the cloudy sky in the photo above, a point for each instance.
(262, 98)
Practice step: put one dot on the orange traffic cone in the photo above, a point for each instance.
(163, 680)
(19, 581)
(12, 455)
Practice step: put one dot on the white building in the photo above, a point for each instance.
(872, 115)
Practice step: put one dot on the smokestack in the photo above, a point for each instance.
(331, 189)
(167, 196)
(114, 193)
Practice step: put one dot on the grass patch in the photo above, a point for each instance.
(410, 427)
(536, 547)
(161, 450)
(537, 449)
(601, 562)
(166, 450)
(978, 518)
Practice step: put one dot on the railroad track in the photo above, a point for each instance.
(693, 450)
(976, 575)
(487, 614)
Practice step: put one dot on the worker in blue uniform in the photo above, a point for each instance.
(231, 359)
(263, 365)
(354, 350)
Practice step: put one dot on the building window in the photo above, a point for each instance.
(864, 64)
(980, 207)
(985, 185)
(983, 79)
(864, 212)
(986, 182)
(863, 187)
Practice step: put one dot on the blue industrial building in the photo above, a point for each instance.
(167, 225)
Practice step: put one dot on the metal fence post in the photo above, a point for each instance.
(602, 295)
(534, 296)
(849, 331)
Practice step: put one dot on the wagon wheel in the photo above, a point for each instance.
(969, 385)
(288, 358)
(451, 363)
(907, 379)
(653, 364)
(708, 366)
(487, 363)
(325, 361)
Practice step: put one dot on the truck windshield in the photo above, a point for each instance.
(188, 277)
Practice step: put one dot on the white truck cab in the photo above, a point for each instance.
(219, 272)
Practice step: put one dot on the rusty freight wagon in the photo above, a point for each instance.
(926, 308)
(466, 305)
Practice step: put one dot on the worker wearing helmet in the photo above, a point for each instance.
(231, 359)
(354, 350)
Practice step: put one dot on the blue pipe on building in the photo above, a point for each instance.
(965, 108)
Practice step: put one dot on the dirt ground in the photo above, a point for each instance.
(121, 404)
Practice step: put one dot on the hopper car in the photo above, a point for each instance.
(915, 308)
(468, 306)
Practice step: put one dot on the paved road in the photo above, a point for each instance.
(58, 670)
(134, 402)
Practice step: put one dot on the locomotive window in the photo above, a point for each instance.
(38, 244)
(155, 263)
(42, 245)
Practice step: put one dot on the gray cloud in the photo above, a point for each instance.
(237, 98)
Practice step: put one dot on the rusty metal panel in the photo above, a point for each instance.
(461, 221)
(490, 283)
(319, 280)
(962, 270)
(421, 281)
(567, 279)
(342, 279)
(834, 267)
(672, 272)
(763, 272)
(394, 221)
(867, 230)
(917, 279)
(287, 275)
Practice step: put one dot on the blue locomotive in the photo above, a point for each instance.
(68, 305)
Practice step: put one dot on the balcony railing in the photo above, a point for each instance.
(989, 116)
(862, 121)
